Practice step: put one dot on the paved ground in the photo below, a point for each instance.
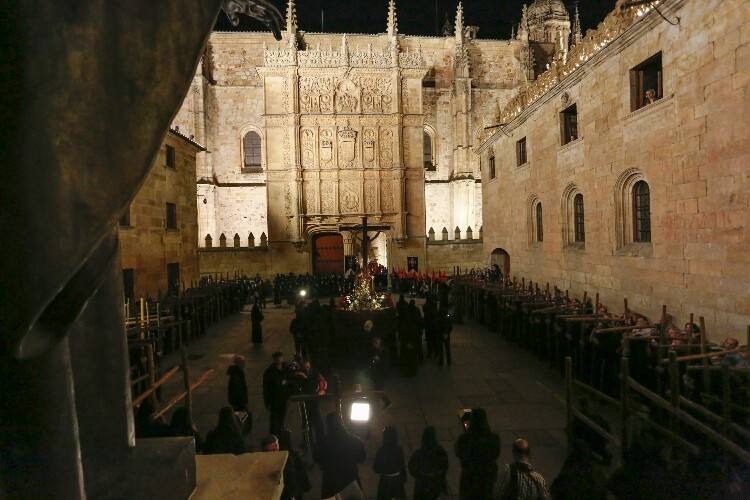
(522, 396)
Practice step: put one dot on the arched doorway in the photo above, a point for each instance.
(501, 259)
(328, 254)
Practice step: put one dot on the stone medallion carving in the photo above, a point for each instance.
(349, 197)
(347, 97)
(316, 94)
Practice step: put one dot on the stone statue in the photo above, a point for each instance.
(90, 92)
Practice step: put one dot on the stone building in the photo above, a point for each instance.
(158, 232)
(307, 135)
(623, 169)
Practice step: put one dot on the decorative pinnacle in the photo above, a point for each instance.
(291, 17)
(577, 35)
(392, 28)
(459, 32)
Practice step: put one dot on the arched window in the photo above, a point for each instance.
(539, 223)
(251, 150)
(428, 151)
(641, 212)
(578, 219)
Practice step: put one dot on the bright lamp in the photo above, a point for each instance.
(360, 411)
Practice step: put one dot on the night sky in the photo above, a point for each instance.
(417, 17)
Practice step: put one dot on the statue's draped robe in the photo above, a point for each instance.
(90, 89)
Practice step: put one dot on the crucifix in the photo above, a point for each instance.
(365, 239)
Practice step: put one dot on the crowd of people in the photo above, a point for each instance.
(339, 453)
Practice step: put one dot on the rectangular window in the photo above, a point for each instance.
(173, 277)
(170, 157)
(569, 124)
(491, 167)
(171, 216)
(125, 218)
(646, 83)
(128, 281)
(521, 151)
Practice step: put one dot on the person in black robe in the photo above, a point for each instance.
(443, 329)
(275, 392)
(390, 464)
(429, 312)
(339, 455)
(417, 328)
(226, 436)
(429, 467)
(237, 386)
(182, 427)
(378, 368)
(478, 450)
(256, 317)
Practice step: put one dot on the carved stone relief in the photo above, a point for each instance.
(308, 148)
(376, 94)
(371, 197)
(369, 146)
(326, 147)
(386, 148)
(386, 200)
(347, 97)
(349, 197)
(316, 94)
(327, 201)
(311, 197)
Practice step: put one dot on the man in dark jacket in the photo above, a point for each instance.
(478, 450)
(275, 392)
(338, 455)
(237, 386)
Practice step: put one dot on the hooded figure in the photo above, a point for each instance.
(390, 464)
(338, 455)
(237, 386)
(226, 437)
(429, 466)
(256, 317)
(478, 450)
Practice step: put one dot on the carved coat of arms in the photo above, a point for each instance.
(347, 144)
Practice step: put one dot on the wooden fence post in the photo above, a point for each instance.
(188, 391)
(706, 370)
(151, 373)
(674, 388)
(569, 400)
(624, 396)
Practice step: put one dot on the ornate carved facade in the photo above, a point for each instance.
(345, 123)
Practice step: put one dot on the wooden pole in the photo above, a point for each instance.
(596, 310)
(674, 387)
(706, 371)
(624, 399)
(151, 373)
(186, 381)
(690, 333)
(568, 399)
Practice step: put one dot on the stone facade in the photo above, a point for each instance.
(148, 246)
(691, 147)
(342, 120)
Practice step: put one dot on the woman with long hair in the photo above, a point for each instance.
(390, 464)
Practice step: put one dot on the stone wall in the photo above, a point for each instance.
(692, 147)
(147, 246)
(445, 256)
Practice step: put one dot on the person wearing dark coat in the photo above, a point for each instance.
(296, 480)
(579, 477)
(180, 426)
(226, 437)
(429, 466)
(339, 453)
(237, 386)
(146, 426)
(478, 450)
(256, 317)
(275, 392)
(415, 316)
(390, 464)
